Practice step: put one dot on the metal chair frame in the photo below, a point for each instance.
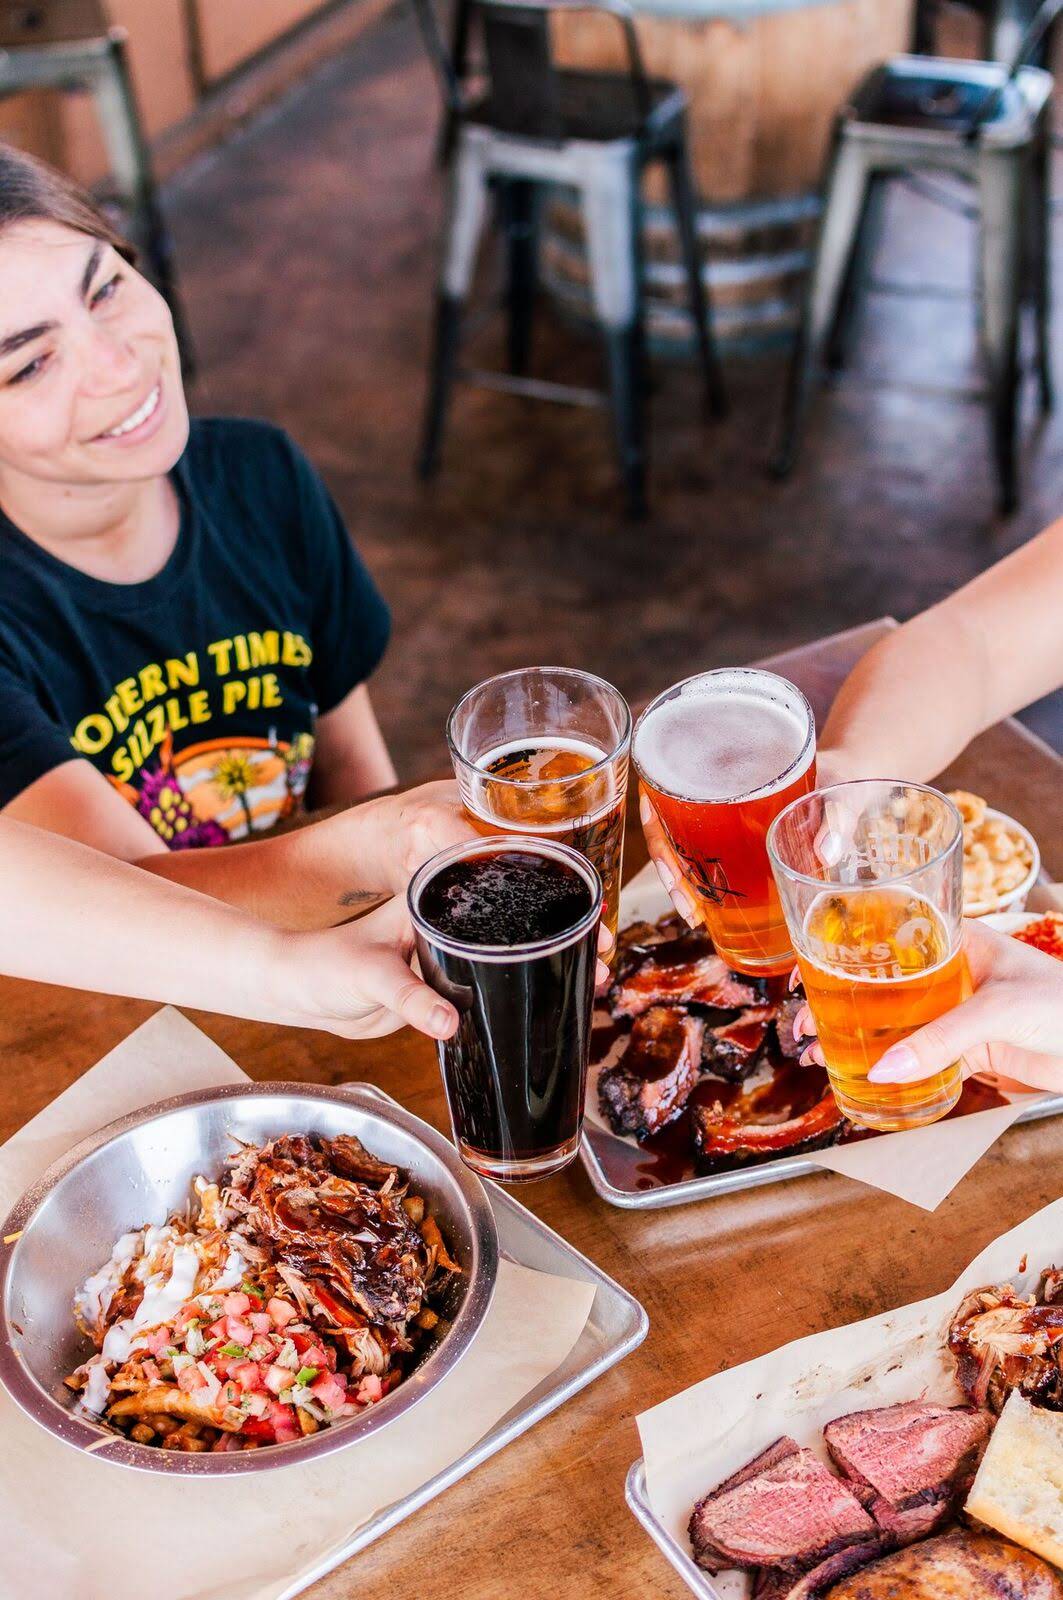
(100, 65)
(1003, 152)
(606, 172)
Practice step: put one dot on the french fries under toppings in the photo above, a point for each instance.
(288, 1299)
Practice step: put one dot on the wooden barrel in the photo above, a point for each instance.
(764, 79)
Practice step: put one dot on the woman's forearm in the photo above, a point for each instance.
(910, 705)
(924, 692)
(313, 877)
(78, 918)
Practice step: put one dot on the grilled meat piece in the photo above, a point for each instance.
(354, 1246)
(783, 1509)
(1001, 1341)
(683, 971)
(732, 1050)
(650, 1083)
(910, 1463)
(960, 1565)
(760, 1126)
(788, 1009)
(639, 936)
(771, 1584)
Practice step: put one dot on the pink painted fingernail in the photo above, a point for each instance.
(645, 809)
(666, 875)
(900, 1064)
(802, 1023)
(805, 1059)
(794, 979)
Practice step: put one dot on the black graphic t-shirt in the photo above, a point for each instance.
(196, 692)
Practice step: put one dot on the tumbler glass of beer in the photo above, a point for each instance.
(871, 879)
(507, 930)
(542, 752)
(720, 755)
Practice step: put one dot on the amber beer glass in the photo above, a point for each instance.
(721, 755)
(871, 879)
(542, 752)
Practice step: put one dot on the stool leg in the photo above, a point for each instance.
(131, 169)
(612, 219)
(685, 206)
(843, 206)
(459, 52)
(1041, 184)
(858, 272)
(520, 211)
(468, 204)
(1001, 185)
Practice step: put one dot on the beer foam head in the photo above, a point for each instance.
(725, 736)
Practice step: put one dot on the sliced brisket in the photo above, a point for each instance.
(652, 1081)
(784, 1509)
(910, 1463)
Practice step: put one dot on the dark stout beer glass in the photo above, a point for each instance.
(507, 930)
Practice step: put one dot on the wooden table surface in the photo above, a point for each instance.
(723, 1281)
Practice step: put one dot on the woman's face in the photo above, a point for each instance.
(90, 377)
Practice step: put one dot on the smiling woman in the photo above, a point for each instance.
(186, 630)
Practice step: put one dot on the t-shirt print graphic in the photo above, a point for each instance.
(221, 790)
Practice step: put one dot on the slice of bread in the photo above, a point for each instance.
(1019, 1487)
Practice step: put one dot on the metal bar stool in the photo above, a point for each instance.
(986, 125)
(70, 45)
(540, 125)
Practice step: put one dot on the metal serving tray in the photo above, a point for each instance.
(681, 1560)
(617, 1325)
(617, 1186)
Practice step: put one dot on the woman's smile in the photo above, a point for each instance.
(137, 425)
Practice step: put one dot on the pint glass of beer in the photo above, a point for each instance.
(507, 930)
(543, 752)
(871, 879)
(720, 756)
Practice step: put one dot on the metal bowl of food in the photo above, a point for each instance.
(140, 1170)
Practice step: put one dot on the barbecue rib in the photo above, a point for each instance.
(784, 1509)
(909, 1463)
(683, 971)
(954, 1566)
(752, 1129)
(733, 1049)
(651, 1082)
(784, 1023)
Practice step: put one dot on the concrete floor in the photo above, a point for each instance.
(307, 248)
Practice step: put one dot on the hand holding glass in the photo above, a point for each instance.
(870, 875)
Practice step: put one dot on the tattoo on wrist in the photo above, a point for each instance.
(357, 897)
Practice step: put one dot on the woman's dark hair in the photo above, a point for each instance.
(31, 191)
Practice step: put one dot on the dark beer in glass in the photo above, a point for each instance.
(507, 930)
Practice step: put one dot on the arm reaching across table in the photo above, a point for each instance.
(84, 920)
(922, 693)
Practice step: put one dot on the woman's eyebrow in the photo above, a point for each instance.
(15, 341)
(90, 268)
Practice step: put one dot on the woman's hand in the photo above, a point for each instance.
(357, 981)
(1011, 1029)
(667, 862)
(397, 833)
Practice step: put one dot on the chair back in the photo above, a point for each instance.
(524, 80)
